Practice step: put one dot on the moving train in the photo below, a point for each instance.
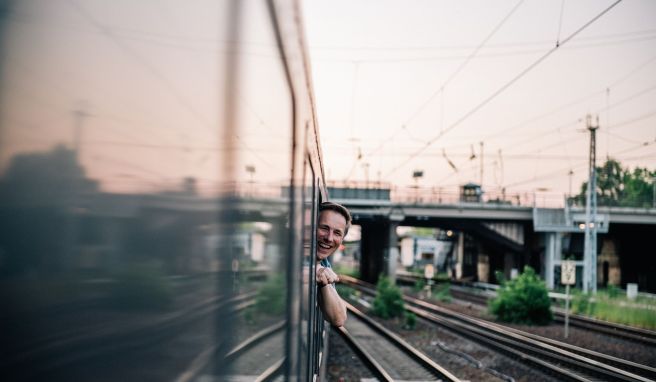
(160, 172)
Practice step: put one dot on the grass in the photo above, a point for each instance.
(610, 306)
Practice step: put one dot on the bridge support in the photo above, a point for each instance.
(552, 256)
(379, 249)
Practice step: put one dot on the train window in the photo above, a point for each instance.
(262, 148)
(145, 155)
(309, 312)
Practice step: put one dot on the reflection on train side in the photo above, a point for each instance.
(153, 192)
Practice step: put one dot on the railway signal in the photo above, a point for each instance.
(567, 278)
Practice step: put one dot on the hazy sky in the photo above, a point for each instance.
(404, 85)
(400, 86)
(148, 79)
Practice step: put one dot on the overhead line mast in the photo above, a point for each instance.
(590, 246)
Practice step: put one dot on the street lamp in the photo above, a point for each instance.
(416, 174)
(251, 170)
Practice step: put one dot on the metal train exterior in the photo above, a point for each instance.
(160, 172)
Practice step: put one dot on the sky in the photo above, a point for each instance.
(433, 86)
(141, 87)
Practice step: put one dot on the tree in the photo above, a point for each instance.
(36, 195)
(639, 188)
(618, 186)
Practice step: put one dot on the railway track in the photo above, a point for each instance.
(561, 360)
(257, 358)
(70, 347)
(379, 348)
(617, 330)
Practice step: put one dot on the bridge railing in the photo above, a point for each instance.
(431, 195)
(452, 195)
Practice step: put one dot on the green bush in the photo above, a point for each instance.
(389, 301)
(419, 285)
(410, 321)
(141, 287)
(443, 292)
(271, 296)
(524, 300)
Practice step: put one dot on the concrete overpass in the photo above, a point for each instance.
(502, 236)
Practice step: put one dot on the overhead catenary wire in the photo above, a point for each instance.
(502, 88)
(583, 164)
(463, 64)
(560, 21)
(425, 59)
(440, 89)
(580, 100)
(181, 99)
(539, 136)
(639, 33)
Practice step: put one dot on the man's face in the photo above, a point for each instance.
(330, 233)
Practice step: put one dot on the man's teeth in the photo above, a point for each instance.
(322, 245)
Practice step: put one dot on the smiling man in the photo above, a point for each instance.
(334, 223)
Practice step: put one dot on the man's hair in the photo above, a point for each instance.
(340, 209)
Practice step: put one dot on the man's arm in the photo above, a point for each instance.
(332, 306)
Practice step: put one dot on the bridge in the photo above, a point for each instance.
(498, 235)
(488, 236)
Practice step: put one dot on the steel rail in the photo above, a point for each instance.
(92, 343)
(371, 363)
(614, 329)
(509, 341)
(404, 346)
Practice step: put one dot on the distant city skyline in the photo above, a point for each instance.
(426, 85)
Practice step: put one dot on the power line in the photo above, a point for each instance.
(108, 32)
(585, 98)
(561, 171)
(560, 21)
(401, 60)
(540, 135)
(504, 87)
(455, 73)
(620, 124)
(463, 64)
(625, 35)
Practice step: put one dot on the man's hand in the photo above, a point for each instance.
(326, 276)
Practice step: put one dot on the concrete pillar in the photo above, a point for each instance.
(508, 264)
(483, 268)
(392, 251)
(609, 255)
(274, 243)
(460, 255)
(552, 256)
(374, 249)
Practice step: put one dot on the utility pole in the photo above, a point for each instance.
(590, 248)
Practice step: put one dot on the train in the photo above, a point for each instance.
(160, 177)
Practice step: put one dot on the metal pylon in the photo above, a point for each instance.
(590, 248)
